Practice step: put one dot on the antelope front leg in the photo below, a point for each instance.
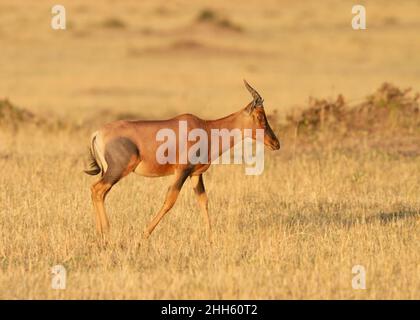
(170, 200)
(201, 194)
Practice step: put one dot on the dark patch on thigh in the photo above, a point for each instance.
(199, 188)
(118, 155)
(184, 175)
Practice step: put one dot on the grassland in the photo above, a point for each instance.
(320, 207)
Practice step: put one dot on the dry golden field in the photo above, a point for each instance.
(295, 232)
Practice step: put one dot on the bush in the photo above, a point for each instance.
(387, 106)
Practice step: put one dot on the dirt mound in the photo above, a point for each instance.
(206, 22)
(188, 46)
(13, 117)
(212, 19)
(388, 107)
(319, 113)
(387, 121)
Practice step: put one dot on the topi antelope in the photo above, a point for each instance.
(122, 147)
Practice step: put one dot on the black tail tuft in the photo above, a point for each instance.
(94, 168)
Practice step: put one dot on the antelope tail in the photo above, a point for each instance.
(94, 166)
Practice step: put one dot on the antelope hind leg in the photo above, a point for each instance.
(121, 156)
(200, 191)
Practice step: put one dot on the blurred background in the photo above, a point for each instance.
(159, 58)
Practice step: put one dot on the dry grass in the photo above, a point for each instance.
(294, 232)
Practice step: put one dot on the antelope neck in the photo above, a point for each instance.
(229, 122)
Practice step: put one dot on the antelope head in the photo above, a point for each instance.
(254, 117)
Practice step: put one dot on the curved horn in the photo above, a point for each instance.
(257, 98)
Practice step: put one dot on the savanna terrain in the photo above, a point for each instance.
(344, 189)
